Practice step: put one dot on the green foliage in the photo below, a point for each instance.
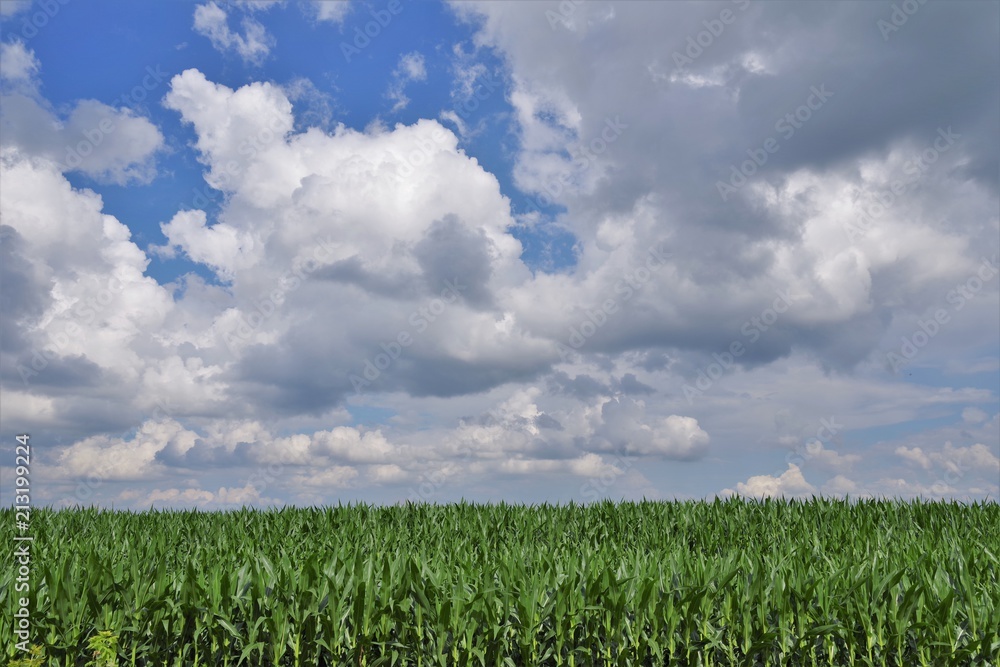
(104, 647)
(729, 582)
(35, 658)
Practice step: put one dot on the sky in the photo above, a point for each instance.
(315, 252)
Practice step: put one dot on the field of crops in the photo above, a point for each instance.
(719, 583)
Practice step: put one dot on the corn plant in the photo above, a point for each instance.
(731, 582)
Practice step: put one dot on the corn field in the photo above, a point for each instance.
(731, 582)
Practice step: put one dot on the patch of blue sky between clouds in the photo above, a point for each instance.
(827, 357)
(330, 58)
(369, 415)
(334, 84)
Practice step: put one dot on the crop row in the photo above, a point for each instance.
(723, 583)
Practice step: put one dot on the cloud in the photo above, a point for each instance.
(313, 107)
(258, 5)
(842, 486)
(581, 386)
(451, 249)
(472, 83)
(953, 460)
(221, 246)
(790, 483)
(961, 460)
(914, 455)
(333, 11)
(387, 474)
(627, 426)
(588, 465)
(96, 297)
(387, 198)
(286, 461)
(905, 489)
(341, 444)
(192, 497)
(239, 132)
(24, 408)
(132, 459)
(974, 415)
(786, 228)
(107, 144)
(466, 71)
(110, 144)
(17, 62)
(11, 7)
(411, 67)
(253, 46)
(830, 459)
(123, 143)
(377, 315)
(630, 384)
(337, 477)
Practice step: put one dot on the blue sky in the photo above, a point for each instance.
(304, 49)
(531, 251)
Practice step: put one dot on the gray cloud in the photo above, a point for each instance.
(335, 249)
(451, 250)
